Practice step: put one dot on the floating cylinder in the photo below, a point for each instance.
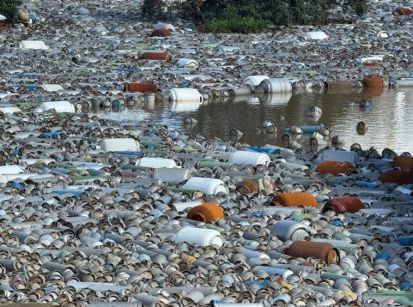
(402, 162)
(235, 134)
(338, 156)
(249, 158)
(403, 11)
(36, 45)
(187, 63)
(305, 129)
(306, 249)
(209, 186)
(155, 162)
(180, 95)
(203, 237)
(255, 80)
(290, 230)
(52, 87)
(24, 17)
(373, 82)
(59, 106)
(295, 199)
(142, 87)
(157, 56)
(183, 205)
(335, 168)
(248, 186)
(160, 33)
(207, 212)
(120, 144)
(163, 25)
(397, 176)
(315, 35)
(317, 144)
(344, 204)
(10, 109)
(361, 128)
(315, 111)
(240, 91)
(276, 85)
(11, 169)
(172, 175)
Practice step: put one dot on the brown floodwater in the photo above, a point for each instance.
(389, 117)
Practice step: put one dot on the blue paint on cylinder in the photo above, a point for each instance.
(406, 240)
(382, 255)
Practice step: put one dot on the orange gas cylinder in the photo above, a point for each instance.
(335, 168)
(404, 163)
(247, 186)
(295, 199)
(306, 249)
(373, 82)
(161, 33)
(207, 212)
(158, 56)
(344, 204)
(396, 176)
(143, 87)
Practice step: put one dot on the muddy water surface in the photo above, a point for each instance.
(389, 117)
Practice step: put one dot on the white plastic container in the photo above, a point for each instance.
(276, 85)
(163, 25)
(52, 87)
(120, 144)
(11, 169)
(182, 205)
(290, 230)
(339, 156)
(254, 80)
(372, 58)
(22, 176)
(172, 175)
(180, 95)
(203, 237)
(292, 166)
(59, 106)
(9, 109)
(249, 253)
(96, 286)
(209, 186)
(187, 63)
(154, 162)
(249, 158)
(37, 45)
(316, 35)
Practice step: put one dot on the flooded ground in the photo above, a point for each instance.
(389, 117)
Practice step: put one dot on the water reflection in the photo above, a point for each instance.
(388, 116)
(187, 106)
(276, 99)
